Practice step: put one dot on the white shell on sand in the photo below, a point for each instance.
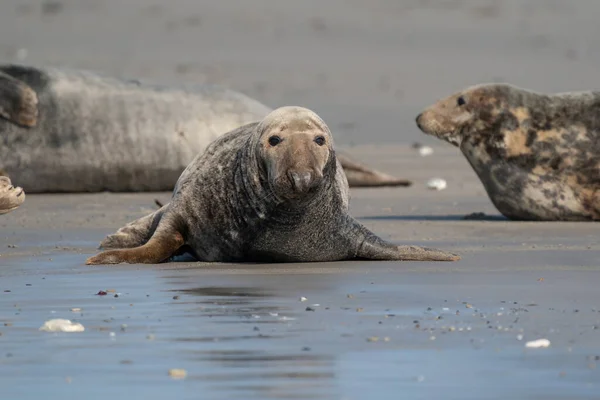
(437, 184)
(536, 344)
(425, 151)
(61, 325)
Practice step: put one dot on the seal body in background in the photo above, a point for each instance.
(537, 155)
(78, 131)
(271, 191)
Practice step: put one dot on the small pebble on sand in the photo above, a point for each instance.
(61, 325)
(176, 373)
(75, 309)
(303, 298)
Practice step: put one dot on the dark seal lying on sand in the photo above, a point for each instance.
(537, 155)
(77, 131)
(271, 191)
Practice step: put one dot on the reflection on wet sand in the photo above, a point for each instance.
(251, 367)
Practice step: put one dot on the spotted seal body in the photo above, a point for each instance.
(78, 131)
(537, 155)
(271, 191)
(11, 197)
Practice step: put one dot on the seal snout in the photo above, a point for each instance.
(418, 120)
(301, 180)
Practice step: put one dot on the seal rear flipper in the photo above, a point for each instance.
(18, 101)
(165, 242)
(10, 197)
(135, 233)
(375, 248)
(359, 175)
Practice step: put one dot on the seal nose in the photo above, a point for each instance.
(300, 180)
(418, 119)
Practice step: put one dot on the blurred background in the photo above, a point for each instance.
(367, 67)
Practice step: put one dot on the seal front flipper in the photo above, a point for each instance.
(375, 248)
(18, 101)
(10, 197)
(165, 242)
(359, 175)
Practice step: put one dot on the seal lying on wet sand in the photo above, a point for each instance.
(10, 197)
(271, 191)
(77, 131)
(537, 155)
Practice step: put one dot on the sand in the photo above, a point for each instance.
(382, 330)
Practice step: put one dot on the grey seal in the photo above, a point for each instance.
(79, 131)
(11, 197)
(269, 191)
(537, 155)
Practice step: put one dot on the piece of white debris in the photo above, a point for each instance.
(303, 298)
(76, 309)
(519, 337)
(425, 151)
(536, 344)
(177, 373)
(437, 184)
(61, 325)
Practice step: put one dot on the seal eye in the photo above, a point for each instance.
(461, 101)
(320, 140)
(274, 140)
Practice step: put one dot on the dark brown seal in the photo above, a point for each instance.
(77, 131)
(537, 155)
(267, 192)
(10, 197)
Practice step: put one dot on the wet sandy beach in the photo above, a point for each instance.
(381, 330)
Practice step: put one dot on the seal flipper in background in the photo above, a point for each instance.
(359, 175)
(10, 197)
(18, 101)
(373, 247)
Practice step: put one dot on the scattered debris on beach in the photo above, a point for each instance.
(476, 216)
(61, 325)
(177, 373)
(422, 149)
(437, 184)
(536, 344)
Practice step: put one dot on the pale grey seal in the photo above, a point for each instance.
(78, 131)
(270, 191)
(10, 197)
(537, 155)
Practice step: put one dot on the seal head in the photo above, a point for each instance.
(296, 148)
(480, 109)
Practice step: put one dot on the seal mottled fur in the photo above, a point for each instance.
(537, 155)
(11, 197)
(271, 191)
(78, 131)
